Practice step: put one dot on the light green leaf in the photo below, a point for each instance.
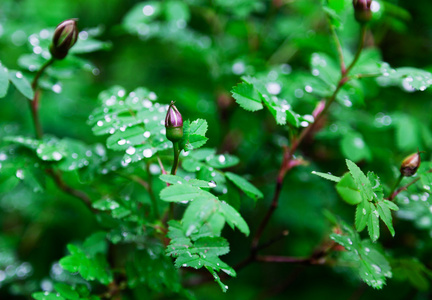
(362, 215)
(363, 184)
(217, 279)
(172, 179)
(21, 83)
(66, 291)
(198, 212)
(47, 296)
(245, 186)
(193, 134)
(4, 81)
(385, 214)
(105, 204)
(373, 223)
(354, 147)
(233, 218)
(183, 192)
(247, 96)
(176, 10)
(327, 176)
(391, 205)
(348, 190)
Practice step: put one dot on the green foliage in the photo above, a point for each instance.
(96, 202)
(365, 257)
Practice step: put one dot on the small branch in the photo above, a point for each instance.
(405, 187)
(339, 49)
(161, 165)
(34, 104)
(283, 259)
(273, 240)
(69, 190)
(396, 185)
(288, 163)
(359, 50)
(273, 206)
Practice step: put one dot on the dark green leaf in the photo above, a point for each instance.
(244, 185)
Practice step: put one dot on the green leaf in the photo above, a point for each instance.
(391, 205)
(47, 296)
(172, 179)
(407, 132)
(183, 192)
(363, 256)
(407, 77)
(222, 161)
(348, 190)
(245, 186)
(66, 291)
(21, 83)
(373, 223)
(89, 45)
(325, 68)
(217, 279)
(385, 215)
(4, 81)
(327, 176)
(354, 148)
(105, 204)
(362, 215)
(247, 96)
(233, 218)
(176, 11)
(363, 184)
(376, 186)
(197, 213)
(195, 261)
(412, 270)
(193, 134)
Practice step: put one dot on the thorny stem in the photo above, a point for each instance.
(405, 187)
(288, 162)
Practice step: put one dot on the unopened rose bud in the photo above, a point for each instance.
(362, 10)
(65, 36)
(410, 164)
(173, 124)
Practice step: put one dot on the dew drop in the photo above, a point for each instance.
(131, 150)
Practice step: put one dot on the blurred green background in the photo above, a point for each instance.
(194, 52)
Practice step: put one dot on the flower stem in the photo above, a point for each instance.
(396, 185)
(176, 152)
(34, 104)
(359, 50)
(176, 158)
